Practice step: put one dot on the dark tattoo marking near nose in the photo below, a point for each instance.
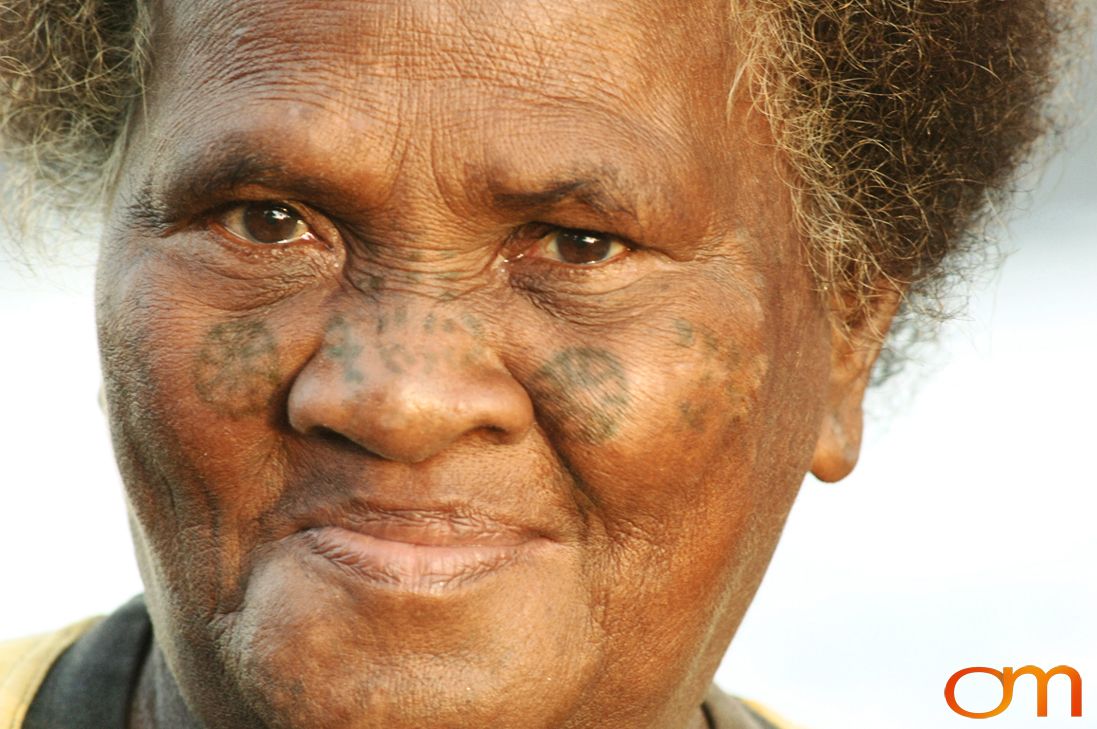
(471, 323)
(341, 346)
(236, 372)
(584, 392)
(397, 318)
(344, 344)
(396, 358)
(684, 330)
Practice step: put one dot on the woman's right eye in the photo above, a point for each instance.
(266, 223)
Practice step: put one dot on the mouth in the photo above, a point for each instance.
(421, 551)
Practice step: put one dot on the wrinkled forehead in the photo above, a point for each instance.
(625, 50)
(409, 71)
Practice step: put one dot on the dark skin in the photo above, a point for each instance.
(463, 363)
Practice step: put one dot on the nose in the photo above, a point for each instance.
(407, 392)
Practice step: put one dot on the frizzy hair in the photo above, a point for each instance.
(904, 124)
(901, 123)
(71, 75)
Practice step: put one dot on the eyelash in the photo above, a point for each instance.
(231, 220)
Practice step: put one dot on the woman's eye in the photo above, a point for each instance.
(265, 223)
(581, 247)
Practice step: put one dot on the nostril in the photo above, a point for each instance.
(497, 434)
(334, 437)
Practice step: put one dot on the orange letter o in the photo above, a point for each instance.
(1007, 692)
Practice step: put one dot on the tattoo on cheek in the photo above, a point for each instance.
(696, 413)
(724, 382)
(584, 392)
(236, 371)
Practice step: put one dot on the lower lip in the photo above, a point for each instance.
(407, 566)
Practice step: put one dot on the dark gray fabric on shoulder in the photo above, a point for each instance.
(89, 686)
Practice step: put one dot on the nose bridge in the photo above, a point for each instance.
(406, 381)
(405, 340)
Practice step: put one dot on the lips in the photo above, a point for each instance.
(424, 551)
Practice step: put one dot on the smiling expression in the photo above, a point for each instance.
(462, 359)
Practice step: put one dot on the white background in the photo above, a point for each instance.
(965, 537)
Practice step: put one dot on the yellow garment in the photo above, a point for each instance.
(24, 664)
(769, 715)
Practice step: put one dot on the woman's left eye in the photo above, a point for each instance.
(580, 247)
(265, 223)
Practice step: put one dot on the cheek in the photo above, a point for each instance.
(663, 449)
(718, 381)
(193, 398)
(686, 439)
(584, 393)
(689, 447)
(651, 424)
(191, 383)
(235, 370)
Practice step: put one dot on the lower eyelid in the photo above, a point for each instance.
(545, 275)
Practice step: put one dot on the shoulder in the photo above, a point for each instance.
(728, 712)
(24, 664)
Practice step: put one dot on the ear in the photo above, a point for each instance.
(854, 350)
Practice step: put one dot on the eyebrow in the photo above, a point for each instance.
(212, 174)
(586, 190)
(198, 179)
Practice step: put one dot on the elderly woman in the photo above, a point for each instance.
(464, 359)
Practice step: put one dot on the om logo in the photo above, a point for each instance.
(1007, 676)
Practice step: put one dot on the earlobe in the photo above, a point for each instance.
(854, 352)
(839, 445)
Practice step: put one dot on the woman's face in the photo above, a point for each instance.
(462, 360)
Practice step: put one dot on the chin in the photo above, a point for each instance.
(315, 646)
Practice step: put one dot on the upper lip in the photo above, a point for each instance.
(429, 505)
